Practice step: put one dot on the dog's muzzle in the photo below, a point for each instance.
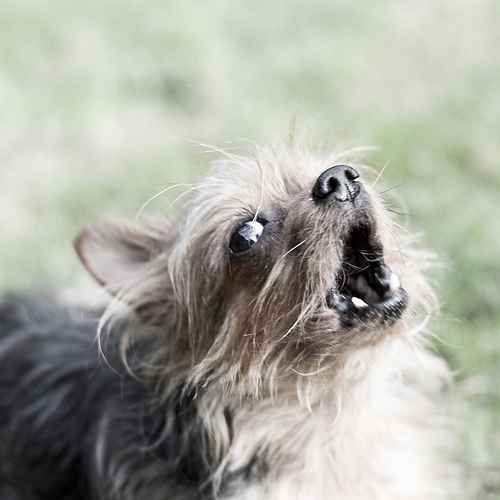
(365, 288)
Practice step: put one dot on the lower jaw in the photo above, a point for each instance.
(380, 314)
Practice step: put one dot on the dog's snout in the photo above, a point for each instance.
(338, 182)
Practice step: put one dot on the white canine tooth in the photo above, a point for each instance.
(394, 284)
(359, 303)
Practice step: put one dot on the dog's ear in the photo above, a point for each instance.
(113, 252)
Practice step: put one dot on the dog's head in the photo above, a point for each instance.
(280, 261)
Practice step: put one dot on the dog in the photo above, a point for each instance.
(266, 342)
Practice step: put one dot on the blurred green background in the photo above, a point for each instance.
(99, 102)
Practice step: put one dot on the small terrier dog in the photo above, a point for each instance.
(270, 349)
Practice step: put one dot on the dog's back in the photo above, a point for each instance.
(74, 423)
(47, 355)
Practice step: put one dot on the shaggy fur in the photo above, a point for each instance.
(270, 351)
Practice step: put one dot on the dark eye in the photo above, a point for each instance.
(246, 235)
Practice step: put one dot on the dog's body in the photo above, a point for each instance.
(272, 353)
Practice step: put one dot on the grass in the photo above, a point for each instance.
(99, 101)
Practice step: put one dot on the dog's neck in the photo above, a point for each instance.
(339, 432)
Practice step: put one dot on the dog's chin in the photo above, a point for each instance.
(366, 292)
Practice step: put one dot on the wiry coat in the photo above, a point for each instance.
(270, 352)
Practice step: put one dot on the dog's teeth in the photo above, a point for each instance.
(394, 284)
(358, 303)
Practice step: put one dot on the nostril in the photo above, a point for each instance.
(337, 182)
(332, 185)
(351, 174)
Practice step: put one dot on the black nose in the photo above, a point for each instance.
(337, 182)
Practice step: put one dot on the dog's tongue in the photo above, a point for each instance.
(383, 283)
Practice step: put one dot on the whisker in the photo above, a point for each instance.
(292, 249)
(139, 213)
(380, 174)
(393, 187)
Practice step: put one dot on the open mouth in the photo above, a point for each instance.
(366, 289)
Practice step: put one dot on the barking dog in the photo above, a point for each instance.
(270, 351)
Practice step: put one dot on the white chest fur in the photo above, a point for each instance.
(375, 435)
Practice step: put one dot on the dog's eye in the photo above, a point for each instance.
(246, 235)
